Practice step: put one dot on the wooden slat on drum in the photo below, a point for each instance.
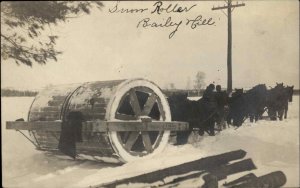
(51, 108)
(42, 114)
(99, 105)
(44, 118)
(101, 152)
(55, 102)
(58, 98)
(48, 145)
(91, 110)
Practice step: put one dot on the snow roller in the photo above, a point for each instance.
(119, 120)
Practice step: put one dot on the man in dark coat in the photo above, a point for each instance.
(221, 99)
(71, 133)
(210, 105)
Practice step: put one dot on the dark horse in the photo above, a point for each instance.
(256, 101)
(200, 114)
(278, 99)
(289, 91)
(249, 104)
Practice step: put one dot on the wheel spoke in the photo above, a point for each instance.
(131, 140)
(134, 102)
(149, 104)
(161, 110)
(147, 142)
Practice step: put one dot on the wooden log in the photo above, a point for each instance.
(243, 179)
(197, 165)
(218, 173)
(210, 181)
(226, 170)
(272, 180)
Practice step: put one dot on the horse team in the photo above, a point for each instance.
(217, 109)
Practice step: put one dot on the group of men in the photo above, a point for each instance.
(216, 102)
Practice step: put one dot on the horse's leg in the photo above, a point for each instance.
(223, 123)
(182, 137)
(280, 113)
(211, 127)
(256, 116)
(272, 114)
(251, 118)
(286, 110)
(229, 120)
(219, 120)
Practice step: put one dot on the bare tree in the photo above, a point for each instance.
(188, 83)
(172, 86)
(166, 86)
(199, 82)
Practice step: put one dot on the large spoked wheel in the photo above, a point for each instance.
(136, 100)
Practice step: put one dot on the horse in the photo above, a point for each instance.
(289, 94)
(255, 100)
(277, 102)
(200, 115)
(250, 104)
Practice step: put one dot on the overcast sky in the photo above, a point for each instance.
(107, 46)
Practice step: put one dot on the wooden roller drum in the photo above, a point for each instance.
(123, 119)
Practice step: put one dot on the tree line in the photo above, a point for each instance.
(17, 93)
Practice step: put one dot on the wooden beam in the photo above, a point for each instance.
(274, 179)
(36, 125)
(101, 126)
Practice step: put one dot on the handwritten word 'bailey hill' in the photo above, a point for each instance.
(193, 23)
(159, 8)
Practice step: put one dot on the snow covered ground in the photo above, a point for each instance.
(272, 146)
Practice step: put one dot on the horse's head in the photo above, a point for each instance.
(279, 85)
(239, 91)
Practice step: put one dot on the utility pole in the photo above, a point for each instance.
(230, 7)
